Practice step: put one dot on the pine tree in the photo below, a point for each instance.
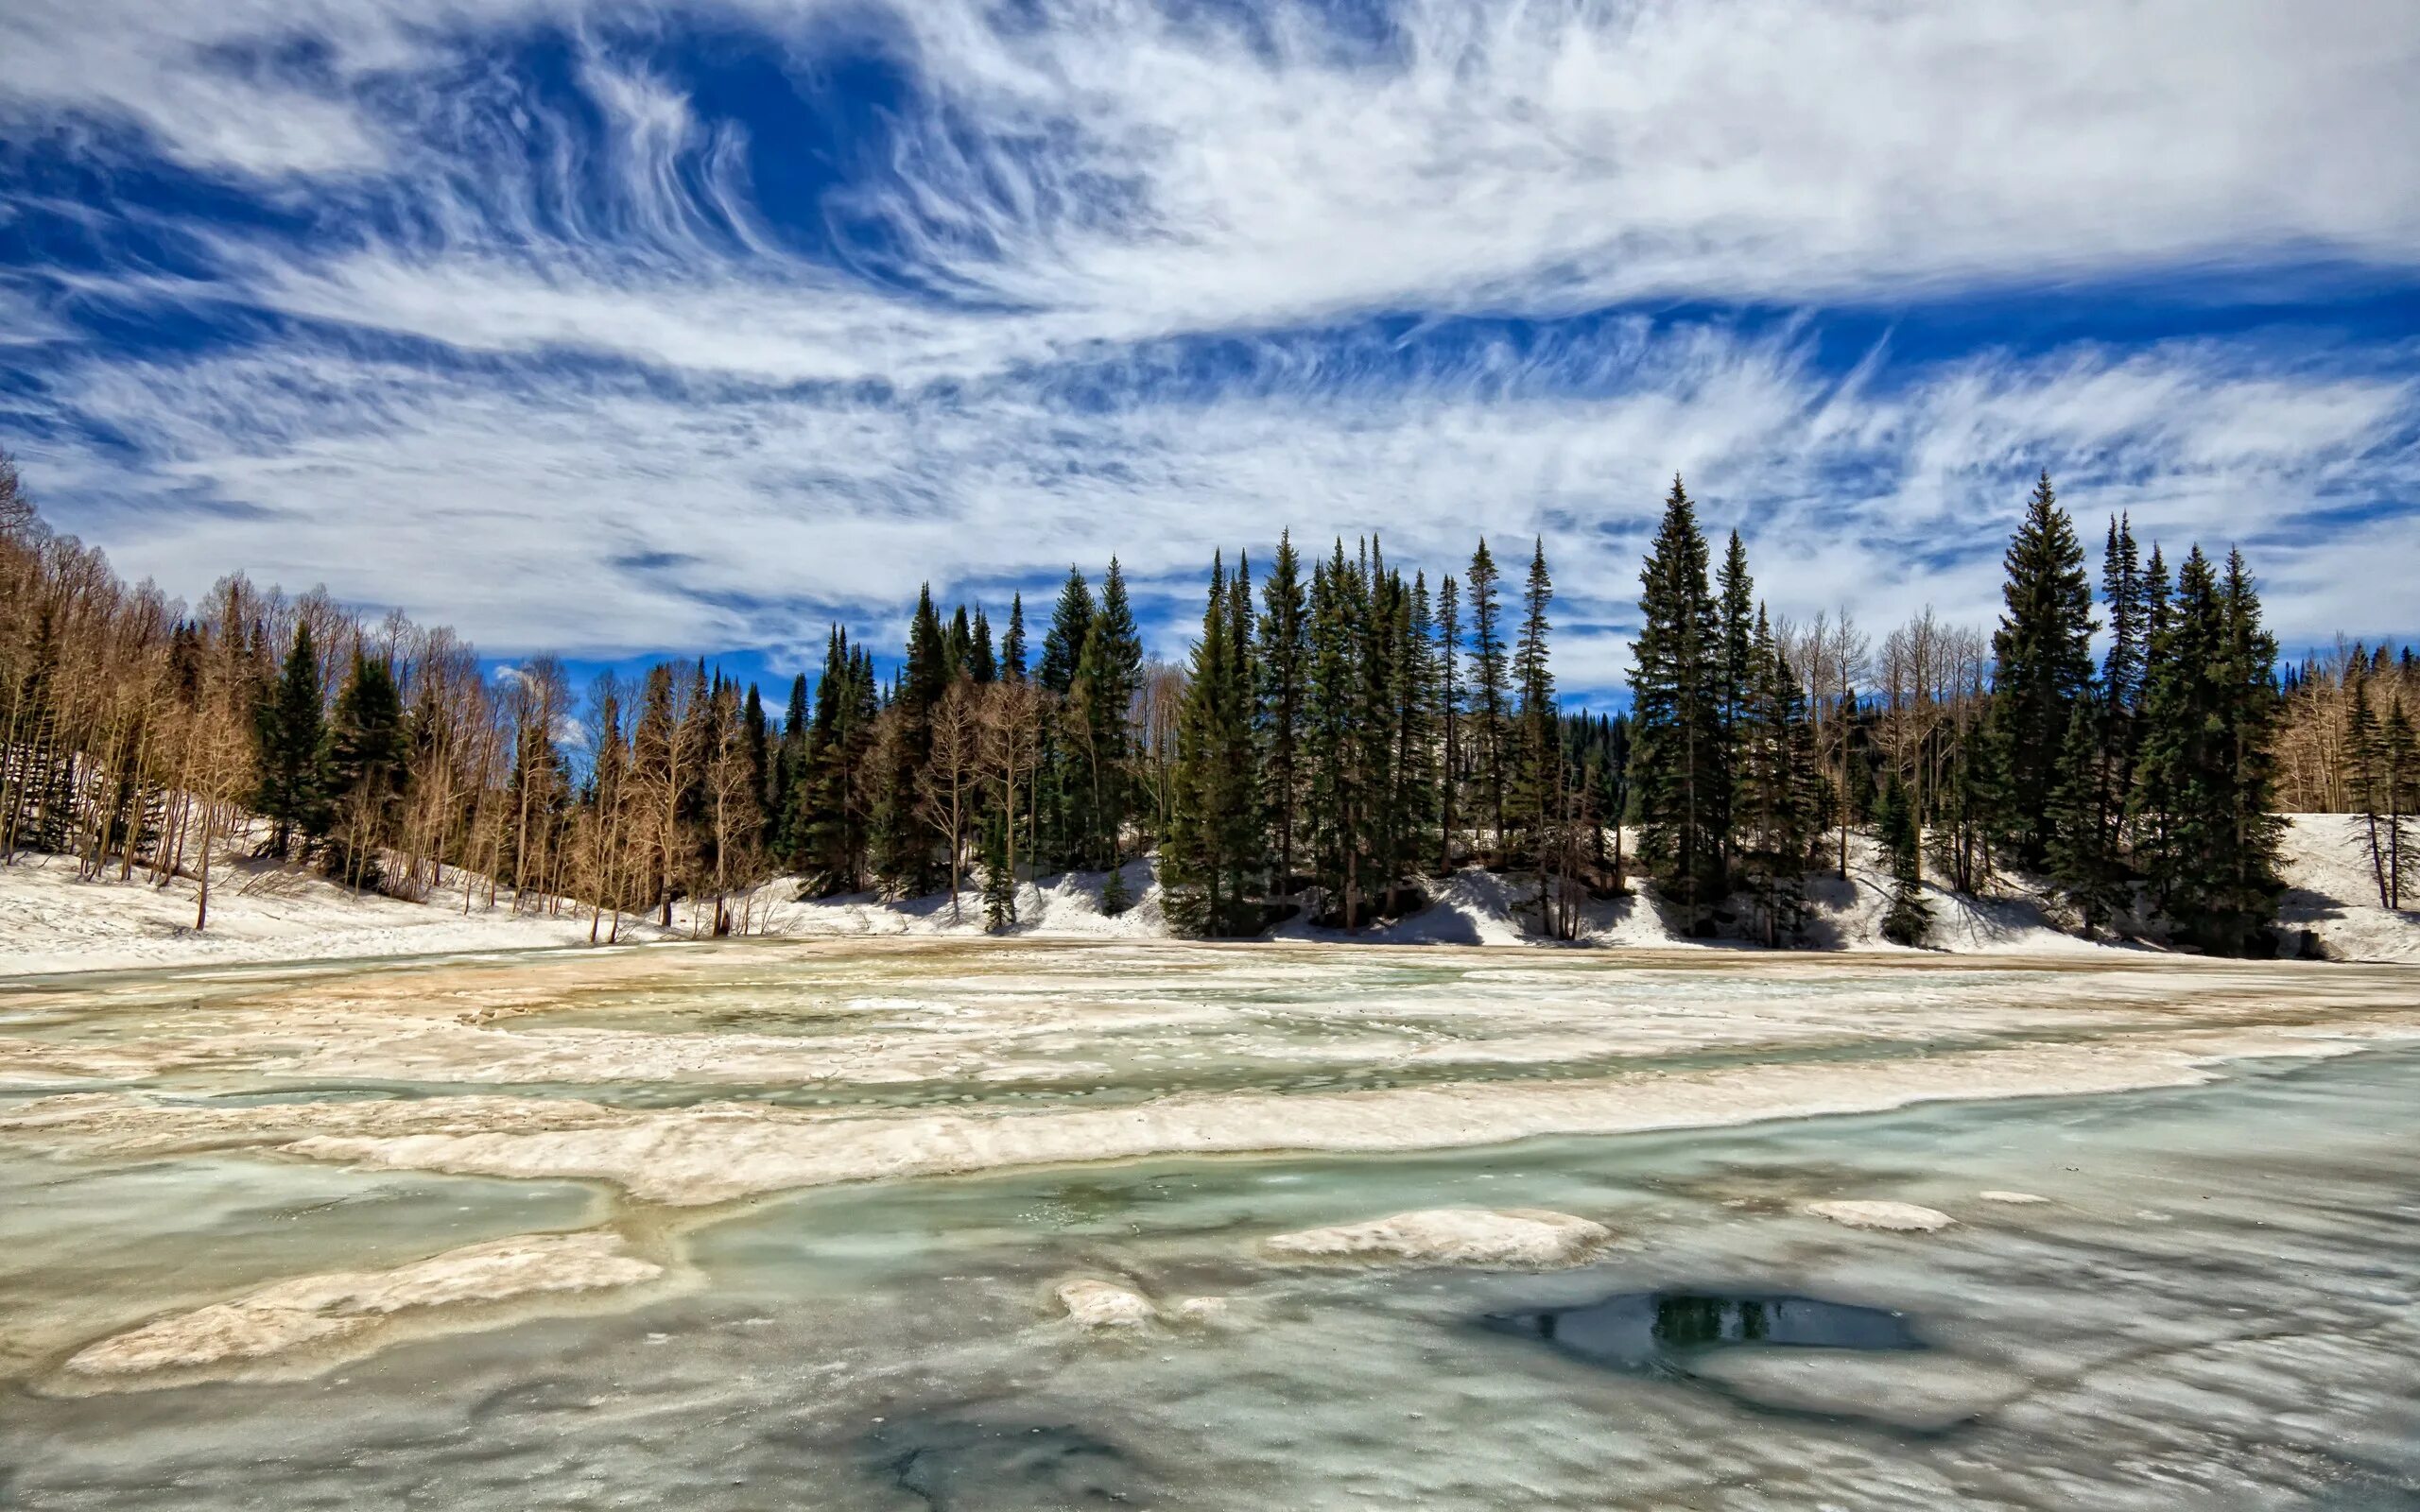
(1063, 645)
(982, 663)
(1908, 919)
(2201, 797)
(1205, 856)
(292, 791)
(365, 770)
(1676, 720)
(1012, 643)
(1737, 684)
(903, 859)
(1450, 715)
(1283, 670)
(2083, 860)
(1488, 691)
(2126, 593)
(1109, 674)
(1000, 880)
(1541, 786)
(1772, 809)
(2042, 654)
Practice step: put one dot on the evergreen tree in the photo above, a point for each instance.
(982, 662)
(1908, 919)
(1012, 643)
(1772, 810)
(1063, 645)
(999, 881)
(365, 769)
(1488, 691)
(1450, 715)
(2043, 655)
(292, 791)
(903, 858)
(2084, 858)
(2201, 796)
(1736, 684)
(756, 744)
(1215, 815)
(958, 655)
(1284, 657)
(1541, 788)
(1676, 718)
(1418, 688)
(1109, 675)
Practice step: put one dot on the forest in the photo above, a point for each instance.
(1340, 737)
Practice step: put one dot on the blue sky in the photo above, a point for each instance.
(616, 329)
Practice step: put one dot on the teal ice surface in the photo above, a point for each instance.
(2215, 1307)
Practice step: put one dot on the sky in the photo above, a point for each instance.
(623, 329)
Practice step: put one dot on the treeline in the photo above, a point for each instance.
(1352, 731)
(1342, 736)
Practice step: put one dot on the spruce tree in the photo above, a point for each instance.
(292, 790)
(1488, 691)
(1012, 666)
(366, 770)
(1540, 773)
(2083, 860)
(1284, 663)
(1908, 920)
(2201, 798)
(1449, 717)
(1215, 809)
(1063, 645)
(2043, 656)
(982, 663)
(999, 883)
(1737, 686)
(1676, 717)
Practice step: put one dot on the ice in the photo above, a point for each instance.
(2216, 1303)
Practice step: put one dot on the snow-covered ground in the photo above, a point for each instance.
(50, 922)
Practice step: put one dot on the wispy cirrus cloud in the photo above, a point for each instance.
(1069, 278)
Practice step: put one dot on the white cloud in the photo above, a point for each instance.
(606, 516)
(1071, 183)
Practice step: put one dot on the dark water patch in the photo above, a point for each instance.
(1663, 1333)
(950, 1463)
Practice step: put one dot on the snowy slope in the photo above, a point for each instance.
(49, 921)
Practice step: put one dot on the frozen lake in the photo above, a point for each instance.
(783, 1225)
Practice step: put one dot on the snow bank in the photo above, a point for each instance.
(1532, 1238)
(1896, 1217)
(49, 921)
(1098, 1304)
(2332, 892)
(717, 1153)
(318, 1310)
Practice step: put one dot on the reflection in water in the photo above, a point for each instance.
(1656, 1333)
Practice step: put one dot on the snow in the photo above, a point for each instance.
(50, 922)
(1098, 1304)
(2332, 892)
(1896, 1217)
(318, 1310)
(1532, 1238)
(714, 1153)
